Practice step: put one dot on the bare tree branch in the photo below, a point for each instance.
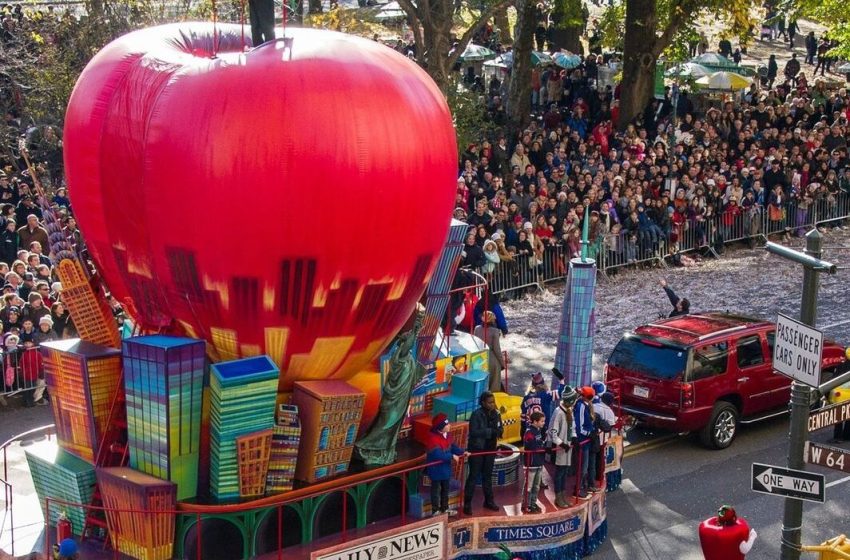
(466, 37)
(681, 13)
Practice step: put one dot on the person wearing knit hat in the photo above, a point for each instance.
(562, 436)
(442, 451)
(583, 417)
(569, 396)
(598, 389)
(67, 550)
(605, 421)
(533, 441)
(540, 399)
(44, 332)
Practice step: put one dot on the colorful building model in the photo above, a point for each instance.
(286, 436)
(463, 400)
(164, 384)
(574, 349)
(242, 401)
(58, 475)
(125, 492)
(82, 378)
(330, 415)
(93, 320)
(437, 300)
(253, 452)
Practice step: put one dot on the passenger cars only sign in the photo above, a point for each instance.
(797, 351)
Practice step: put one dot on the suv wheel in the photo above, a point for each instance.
(722, 427)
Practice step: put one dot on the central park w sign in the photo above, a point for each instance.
(829, 416)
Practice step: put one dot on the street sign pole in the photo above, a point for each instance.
(792, 520)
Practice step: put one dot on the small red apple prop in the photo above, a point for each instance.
(289, 200)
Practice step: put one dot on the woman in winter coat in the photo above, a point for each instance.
(491, 257)
(491, 335)
(562, 435)
(63, 325)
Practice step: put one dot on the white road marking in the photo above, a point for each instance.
(838, 324)
(837, 482)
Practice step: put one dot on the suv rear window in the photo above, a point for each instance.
(649, 358)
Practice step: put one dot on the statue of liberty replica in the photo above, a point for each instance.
(378, 446)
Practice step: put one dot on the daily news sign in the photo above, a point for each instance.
(424, 540)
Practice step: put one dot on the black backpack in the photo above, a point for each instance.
(602, 424)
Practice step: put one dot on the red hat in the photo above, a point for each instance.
(587, 392)
(439, 421)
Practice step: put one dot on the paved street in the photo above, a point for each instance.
(667, 491)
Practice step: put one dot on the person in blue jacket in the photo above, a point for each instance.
(441, 448)
(540, 398)
(583, 417)
(534, 442)
(490, 302)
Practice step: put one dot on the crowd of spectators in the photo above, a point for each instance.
(31, 308)
(770, 160)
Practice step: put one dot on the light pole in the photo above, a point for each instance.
(792, 520)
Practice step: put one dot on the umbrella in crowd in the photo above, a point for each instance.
(713, 59)
(476, 53)
(688, 70)
(390, 11)
(566, 59)
(507, 60)
(725, 80)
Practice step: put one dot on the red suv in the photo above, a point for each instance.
(706, 373)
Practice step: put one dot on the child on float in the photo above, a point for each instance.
(534, 442)
(441, 449)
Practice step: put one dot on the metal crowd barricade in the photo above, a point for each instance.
(21, 373)
(622, 249)
(516, 274)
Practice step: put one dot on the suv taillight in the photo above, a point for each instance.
(687, 395)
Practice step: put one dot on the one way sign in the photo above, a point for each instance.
(780, 481)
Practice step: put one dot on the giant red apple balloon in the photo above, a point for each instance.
(289, 200)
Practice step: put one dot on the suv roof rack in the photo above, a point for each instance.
(722, 332)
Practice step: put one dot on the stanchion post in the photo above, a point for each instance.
(792, 519)
(404, 499)
(198, 532)
(279, 532)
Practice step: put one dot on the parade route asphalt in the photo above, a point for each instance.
(671, 484)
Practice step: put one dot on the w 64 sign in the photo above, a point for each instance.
(828, 456)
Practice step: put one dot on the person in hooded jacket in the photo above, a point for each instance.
(442, 449)
(562, 436)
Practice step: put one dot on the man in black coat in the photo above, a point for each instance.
(9, 243)
(485, 429)
(472, 255)
(681, 306)
(811, 47)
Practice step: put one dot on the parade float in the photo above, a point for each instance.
(271, 218)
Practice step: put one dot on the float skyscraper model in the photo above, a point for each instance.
(574, 347)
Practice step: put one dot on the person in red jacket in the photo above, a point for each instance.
(443, 451)
(30, 363)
